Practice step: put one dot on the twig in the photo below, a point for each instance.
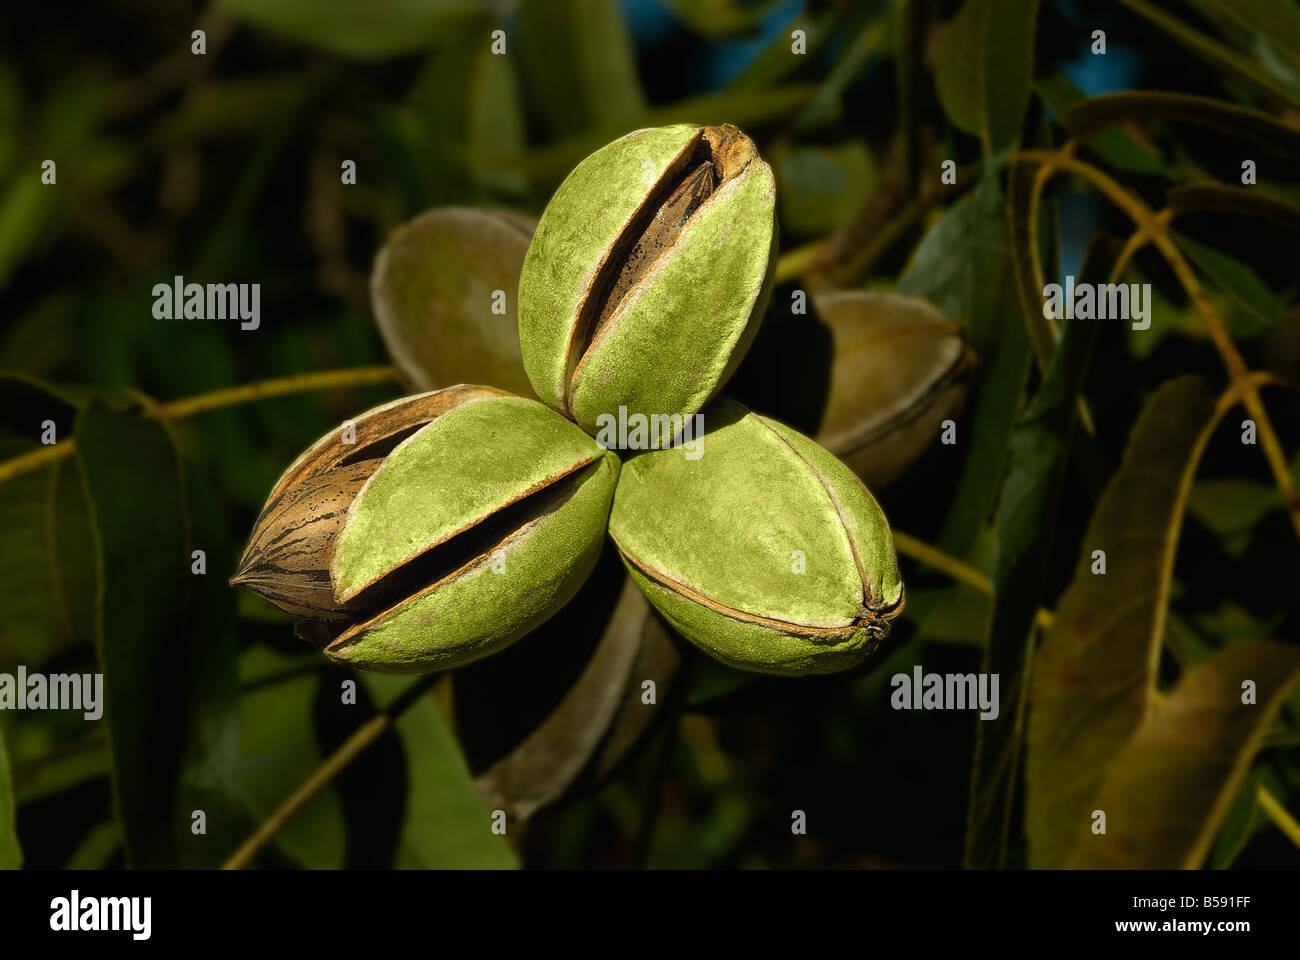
(178, 68)
(1136, 242)
(801, 260)
(855, 270)
(233, 396)
(1271, 806)
(796, 262)
(921, 551)
(1233, 362)
(1279, 814)
(351, 748)
(1044, 337)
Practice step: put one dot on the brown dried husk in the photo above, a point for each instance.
(287, 559)
(288, 554)
(899, 369)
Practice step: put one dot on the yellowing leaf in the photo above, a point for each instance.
(986, 67)
(1093, 677)
(1172, 784)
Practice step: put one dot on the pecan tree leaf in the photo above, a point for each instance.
(169, 706)
(1219, 55)
(140, 535)
(445, 825)
(578, 60)
(47, 557)
(1172, 784)
(1093, 676)
(279, 749)
(11, 855)
(1208, 197)
(962, 265)
(1026, 519)
(986, 68)
(1113, 109)
(363, 31)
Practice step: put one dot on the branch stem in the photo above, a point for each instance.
(202, 403)
(1233, 362)
(348, 751)
(959, 570)
(1278, 814)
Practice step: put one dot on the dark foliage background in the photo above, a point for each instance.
(225, 168)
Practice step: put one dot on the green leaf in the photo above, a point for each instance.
(955, 265)
(1024, 259)
(820, 189)
(210, 762)
(1232, 509)
(97, 848)
(1166, 316)
(774, 62)
(1026, 519)
(1217, 54)
(862, 40)
(231, 237)
(11, 855)
(713, 683)
(44, 336)
(1170, 787)
(1281, 347)
(446, 824)
(1111, 109)
(496, 119)
(986, 67)
(1258, 307)
(72, 764)
(744, 108)
(720, 18)
(1116, 147)
(957, 614)
(141, 544)
(170, 707)
(464, 119)
(28, 208)
(1239, 823)
(361, 30)
(278, 750)
(913, 27)
(47, 566)
(1278, 23)
(962, 266)
(228, 108)
(1094, 674)
(1221, 198)
(32, 213)
(578, 60)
